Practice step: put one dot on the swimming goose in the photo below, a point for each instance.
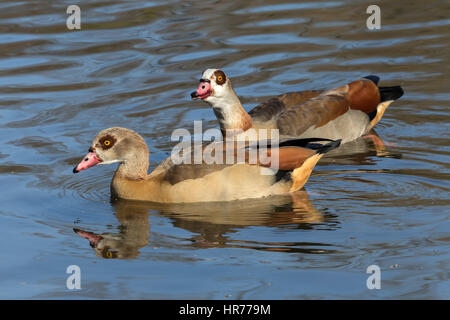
(184, 182)
(346, 112)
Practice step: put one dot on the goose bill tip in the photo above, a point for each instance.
(194, 95)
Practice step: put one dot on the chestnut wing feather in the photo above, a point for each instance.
(274, 106)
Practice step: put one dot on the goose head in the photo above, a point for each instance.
(118, 145)
(215, 87)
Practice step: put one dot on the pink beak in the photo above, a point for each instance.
(88, 161)
(203, 91)
(92, 237)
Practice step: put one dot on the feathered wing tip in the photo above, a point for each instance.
(304, 143)
(329, 146)
(390, 93)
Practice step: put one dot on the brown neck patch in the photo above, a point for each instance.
(245, 123)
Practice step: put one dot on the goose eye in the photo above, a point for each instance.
(221, 78)
(109, 254)
(107, 142)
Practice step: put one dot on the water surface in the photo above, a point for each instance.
(133, 64)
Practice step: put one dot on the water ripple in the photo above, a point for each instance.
(134, 63)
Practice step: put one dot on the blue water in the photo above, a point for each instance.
(133, 64)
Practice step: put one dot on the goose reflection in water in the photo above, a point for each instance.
(134, 233)
(210, 224)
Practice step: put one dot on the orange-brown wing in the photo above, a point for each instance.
(293, 156)
(283, 158)
(360, 95)
(289, 158)
(363, 95)
(273, 107)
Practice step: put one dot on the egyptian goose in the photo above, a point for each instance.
(170, 182)
(347, 112)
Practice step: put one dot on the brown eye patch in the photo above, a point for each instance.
(107, 142)
(221, 78)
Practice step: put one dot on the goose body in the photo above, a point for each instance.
(183, 182)
(346, 112)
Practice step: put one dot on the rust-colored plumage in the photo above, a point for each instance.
(363, 95)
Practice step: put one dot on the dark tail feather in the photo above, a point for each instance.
(304, 143)
(373, 78)
(309, 143)
(390, 93)
(329, 146)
